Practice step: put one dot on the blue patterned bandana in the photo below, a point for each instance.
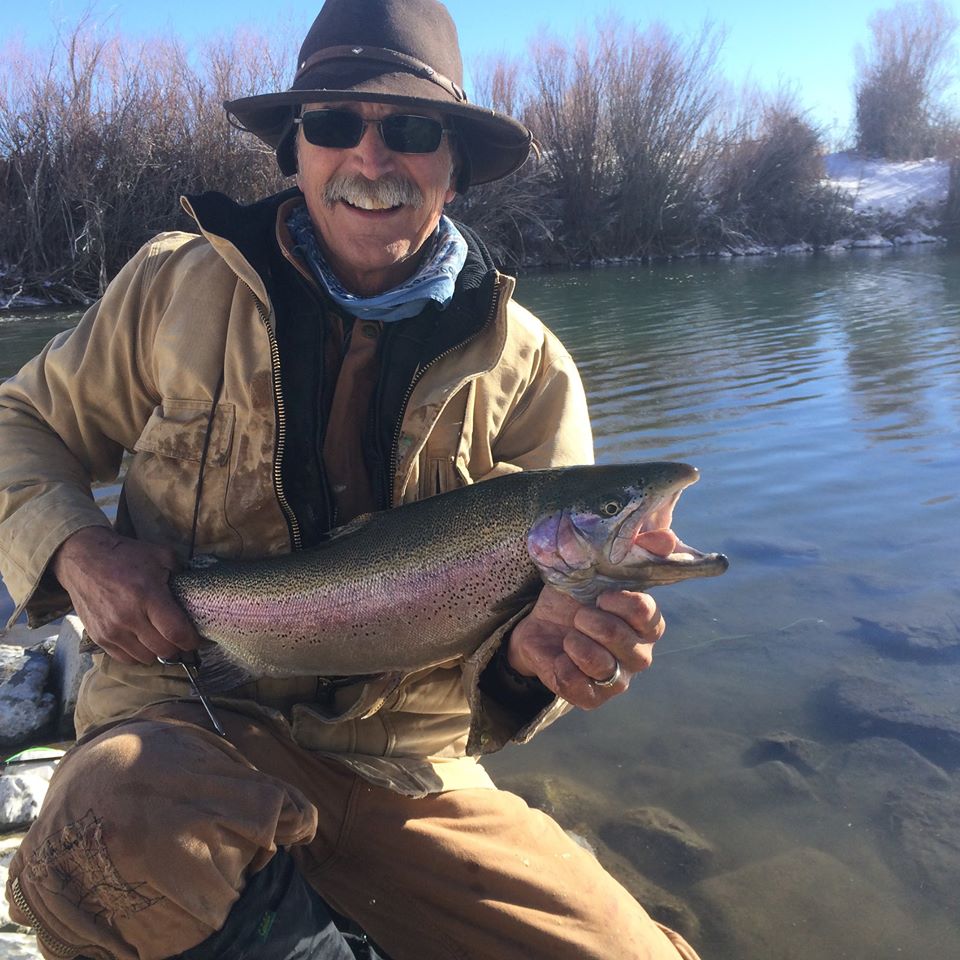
(433, 281)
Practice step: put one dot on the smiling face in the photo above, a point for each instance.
(373, 250)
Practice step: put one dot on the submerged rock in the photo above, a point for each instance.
(865, 707)
(805, 903)
(875, 765)
(663, 906)
(803, 755)
(659, 844)
(926, 825)
(937, 642)
(567, 801)
(26, 710)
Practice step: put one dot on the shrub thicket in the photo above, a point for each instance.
(901, 79)
(98, 144)
(769, 181)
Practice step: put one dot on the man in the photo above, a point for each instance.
(339, 348)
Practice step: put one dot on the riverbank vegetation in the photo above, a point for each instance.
(643, 149)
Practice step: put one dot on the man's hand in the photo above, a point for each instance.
(119, 589)
(569, 646)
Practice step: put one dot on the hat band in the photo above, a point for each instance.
(383, 55)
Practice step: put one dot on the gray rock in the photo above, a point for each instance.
(932, 642)
(804, 755)
(20, 635)
(22, 789)
(26, 710)
(926, 824)
(804, 903)
(8, 847)
(659, 844)
(19, 946)
(69, 666)
(864, 707)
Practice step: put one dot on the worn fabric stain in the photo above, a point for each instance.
(75, 864)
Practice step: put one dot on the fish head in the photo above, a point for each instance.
(617, 534)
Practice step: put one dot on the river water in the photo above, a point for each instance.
(801, 718)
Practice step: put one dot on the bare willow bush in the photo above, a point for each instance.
(621, 116)
(662, 94)
(567, 112)
(768, 184)
(902, 77)
(99, 141)
(513, 215)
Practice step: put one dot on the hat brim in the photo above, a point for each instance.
(495, 143)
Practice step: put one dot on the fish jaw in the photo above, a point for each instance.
(583, 553)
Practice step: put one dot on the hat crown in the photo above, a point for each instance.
(422, 29)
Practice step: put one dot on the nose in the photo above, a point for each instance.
(372, 153)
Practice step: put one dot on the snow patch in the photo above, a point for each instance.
(884, 186)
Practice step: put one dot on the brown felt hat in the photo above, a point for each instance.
(387, 51)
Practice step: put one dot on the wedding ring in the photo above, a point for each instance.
(611, 680)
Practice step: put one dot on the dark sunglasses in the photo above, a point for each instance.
(343, 129)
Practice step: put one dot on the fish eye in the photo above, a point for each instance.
(611, 508)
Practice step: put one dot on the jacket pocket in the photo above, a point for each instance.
(163, 482)
(178, 429)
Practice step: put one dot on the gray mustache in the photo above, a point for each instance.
(389, 190)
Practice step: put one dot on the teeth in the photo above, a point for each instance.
(365, 203)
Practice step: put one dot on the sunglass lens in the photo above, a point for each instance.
(332, 128)
(410, 134)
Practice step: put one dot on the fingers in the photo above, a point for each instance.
(136, 638)
(120, 590)
(640, 610)
(626, 625)
(172, 624)
(594, 660)
(575, 649)
(620, 631)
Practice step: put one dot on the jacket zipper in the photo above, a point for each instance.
(418, 375)
(54, 944)
(292, 522)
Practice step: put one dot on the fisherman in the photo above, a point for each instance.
(339, 348)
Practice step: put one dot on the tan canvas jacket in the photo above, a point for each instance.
(138, 376)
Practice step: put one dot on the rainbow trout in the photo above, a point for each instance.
(428, 582)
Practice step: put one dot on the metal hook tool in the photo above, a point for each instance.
(191, 667)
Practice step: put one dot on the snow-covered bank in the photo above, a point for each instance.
(897, 204)
(882, 186)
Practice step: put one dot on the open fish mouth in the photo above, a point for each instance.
(645, 537)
